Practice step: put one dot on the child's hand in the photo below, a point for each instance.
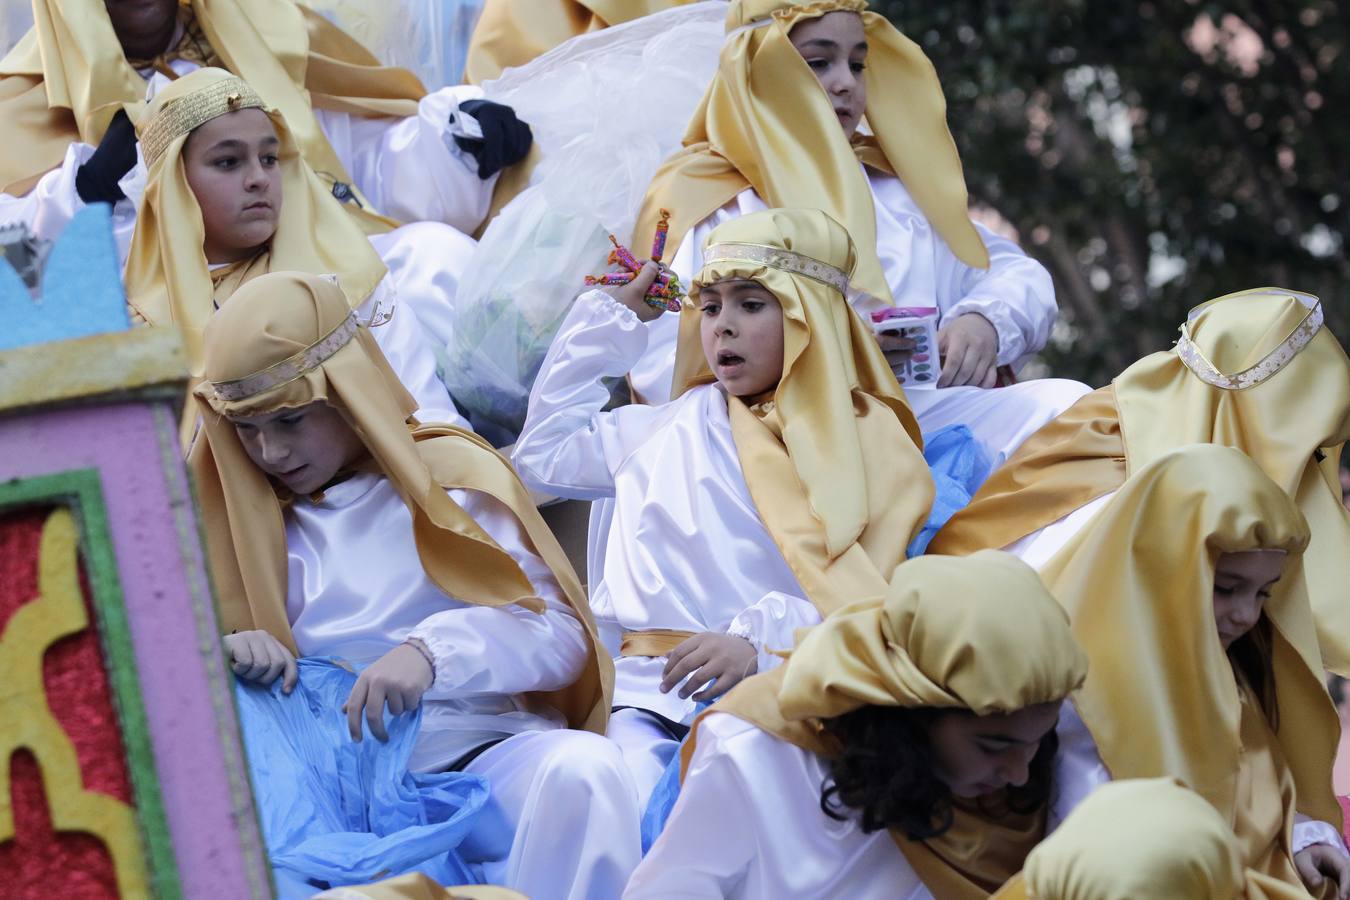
(898, 349)
(398, 679)
(257, 656)
(724, 657)
(969, 348)
(1317, 863)
(630, 294)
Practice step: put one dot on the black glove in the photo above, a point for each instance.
(96, 180)
(505, 141)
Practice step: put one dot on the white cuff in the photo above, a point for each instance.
(1011, 343)
(1310, 831)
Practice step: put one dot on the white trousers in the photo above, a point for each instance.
(571, 802)
(647, 749)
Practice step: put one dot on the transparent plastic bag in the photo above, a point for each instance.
(606, 109)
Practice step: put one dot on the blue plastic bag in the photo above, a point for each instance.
(338, 812)
(959, 466)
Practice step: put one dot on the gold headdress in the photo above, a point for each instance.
(287, 339)
(1162, 698)
(833, 459)
(167, 276)
(765, 123)
(1255, 370)
(981, 634)
(184, 114)
(1145, 837)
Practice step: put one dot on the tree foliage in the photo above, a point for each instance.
(1152, 155)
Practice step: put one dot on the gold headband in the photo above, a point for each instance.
(1272, 362)
(778, 258)
(186, 114)
(291, 368)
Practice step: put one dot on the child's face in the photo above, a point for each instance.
(835, 47)
(142, 25)
(977, 755)
(741, 327)
(232, 168)
(1242, 583)
(304, 448)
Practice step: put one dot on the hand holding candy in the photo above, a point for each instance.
(634, 293)
(665, 292)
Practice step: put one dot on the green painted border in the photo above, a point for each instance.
(82, 491)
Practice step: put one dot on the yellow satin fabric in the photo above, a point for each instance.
(1158, 405)
(66, 78)
(766, 123)
(1135, 839)
(652, 642)
(832, 459)
(270, 319)
(981, 634)
(1162, 698)
(513, 32)
(167, 276)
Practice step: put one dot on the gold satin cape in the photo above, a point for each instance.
(1158, 404)
(1133, 839)
(68, 76)
(766, 123)
(513, 32)
(279, 314)
(1162, 699)
(832, 459)
(980, 634)
(168, 280)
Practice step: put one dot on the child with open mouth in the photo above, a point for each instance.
(783, 482)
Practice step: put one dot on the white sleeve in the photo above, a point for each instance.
(708, 843)
(48, 208)
(405, 344)
(1015, 294)
(1309, 831)
(772, 623)
(570, 446)
(505, 650)
(1079, 769)
(411, 169)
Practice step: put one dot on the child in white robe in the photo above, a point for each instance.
(1186, 593)
(384, 143)
(904, 750)
(1256, 370)
(784, 481)
(229, 197)
(780, 126)
(335, 528)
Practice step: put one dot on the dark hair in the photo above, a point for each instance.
(887, 773)
(1253, 659)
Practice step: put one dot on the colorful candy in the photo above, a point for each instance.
(665, 292)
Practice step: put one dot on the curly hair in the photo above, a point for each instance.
(887, 774)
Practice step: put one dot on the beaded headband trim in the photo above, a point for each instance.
(1269, 364)
(182, 115)
(778, 258)
(291, 368)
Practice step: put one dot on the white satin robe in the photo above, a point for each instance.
(357, 589)
(1015, 294)
(687, 549)
(748, 825)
